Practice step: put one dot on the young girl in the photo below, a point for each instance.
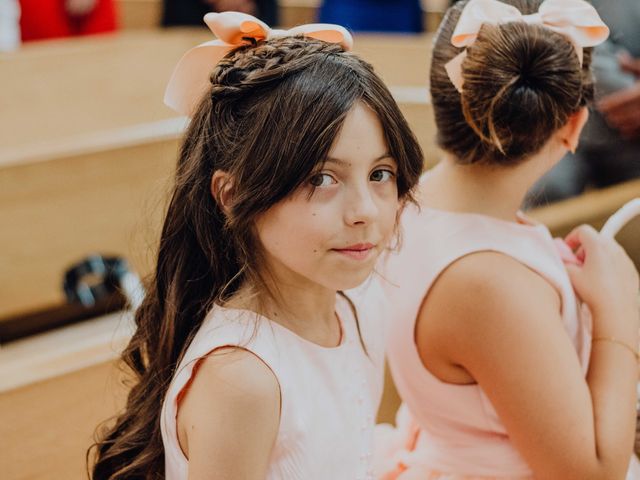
(503, 372)
(250, 361)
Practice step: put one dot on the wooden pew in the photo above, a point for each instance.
(46, 427)
(139, 14)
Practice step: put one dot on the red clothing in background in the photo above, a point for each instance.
(42, 19)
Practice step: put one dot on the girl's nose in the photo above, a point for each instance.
(361, 207)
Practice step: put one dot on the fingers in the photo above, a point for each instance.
(574, 272)
(584, 235)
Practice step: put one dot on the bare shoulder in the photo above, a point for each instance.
(492, 282)
(485, 295)
(491, 320)
(233, 392)
(236, 371)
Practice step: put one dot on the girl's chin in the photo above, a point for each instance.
(347, 282)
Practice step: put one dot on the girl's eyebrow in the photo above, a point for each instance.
(344, 163)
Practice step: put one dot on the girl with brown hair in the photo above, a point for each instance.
(511, 363)
(250, 361)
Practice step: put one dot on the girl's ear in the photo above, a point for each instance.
(222, 189)
(570, 133)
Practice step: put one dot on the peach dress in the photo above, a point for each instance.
(330, 395)
(447, 431)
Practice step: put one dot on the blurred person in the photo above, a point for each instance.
(374, 15)
(9, 25)
(190, 12)
(609, 150)
(43, 19)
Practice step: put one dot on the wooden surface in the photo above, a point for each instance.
(46, 428)
(594, 207)
(60, 211)
(64, 350)
(139, 14)
(65, 90)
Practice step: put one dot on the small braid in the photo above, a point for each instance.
(251, 66)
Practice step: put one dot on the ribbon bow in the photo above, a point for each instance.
(190, 79)
(577, 20)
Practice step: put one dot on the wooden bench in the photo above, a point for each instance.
(46, 427)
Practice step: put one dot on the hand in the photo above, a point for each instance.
(622, 111)
(78, 8)
(629, 63)
(244, 6)
(607, 281)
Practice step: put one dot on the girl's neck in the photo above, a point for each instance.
(496, 191)
(308, 312)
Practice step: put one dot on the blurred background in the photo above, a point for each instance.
(87, 151)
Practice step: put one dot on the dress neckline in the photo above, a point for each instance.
(294, 335)
(523, 222)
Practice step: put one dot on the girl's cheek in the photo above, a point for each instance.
(388, 193)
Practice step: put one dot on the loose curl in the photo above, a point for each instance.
(270, 117)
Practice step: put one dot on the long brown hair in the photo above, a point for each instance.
(269, 119)
(521, 83)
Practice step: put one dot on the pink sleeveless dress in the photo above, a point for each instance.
(447, 431)
(329, 395)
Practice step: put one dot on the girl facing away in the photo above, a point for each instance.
(511, 363)
(250, 361)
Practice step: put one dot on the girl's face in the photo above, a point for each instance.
(330, 231)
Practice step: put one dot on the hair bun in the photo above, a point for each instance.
(521, 83)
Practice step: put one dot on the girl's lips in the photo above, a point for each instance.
(359, 251)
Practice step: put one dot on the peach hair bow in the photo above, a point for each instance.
(190, 78)
(577, 20)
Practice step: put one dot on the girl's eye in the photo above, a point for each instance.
(321, 180)
(382, 175)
